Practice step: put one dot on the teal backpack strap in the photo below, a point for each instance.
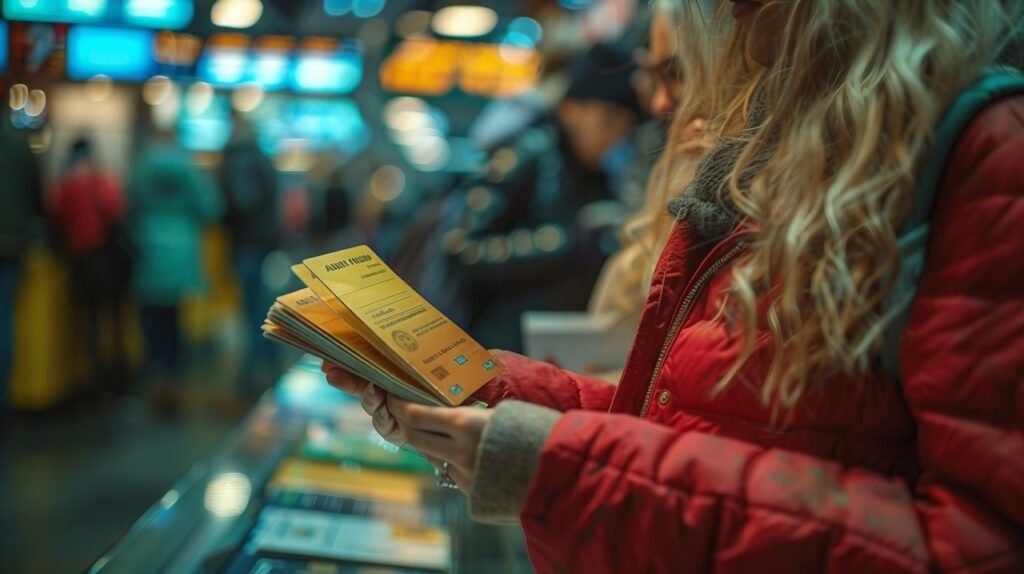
(913, 238)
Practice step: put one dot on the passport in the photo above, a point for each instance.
(356, 313)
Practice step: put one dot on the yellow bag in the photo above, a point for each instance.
(48, 358)
(44, 358)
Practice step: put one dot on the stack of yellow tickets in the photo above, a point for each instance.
(357, 314)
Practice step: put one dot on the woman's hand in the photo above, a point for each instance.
(443, 435)
(373, 400)
(449, 435)
(343, 380)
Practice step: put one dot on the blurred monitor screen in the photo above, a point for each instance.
(164, 14)
(3, 46)
(280, 121)
(223, 66)
(226, 67)
(119, 53)
(338, 72)
(269, 68)
(318, 123)
(85, 11)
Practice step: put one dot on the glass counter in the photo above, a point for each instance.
(215, 517)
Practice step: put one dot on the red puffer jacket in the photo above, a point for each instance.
(869, 475)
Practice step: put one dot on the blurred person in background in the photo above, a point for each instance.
(252, 216)
(337, 210)
(20, 211)
(331, 224)
(88, 218)
(172, 204)
(523, 243)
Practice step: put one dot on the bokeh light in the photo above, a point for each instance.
(36, 103)
(247, 97)
(198, 98)
(227, 495)
(18, 97)
(156, 90)
(98, 88)
(236, 13)
(367, 8)
(387, 183)
(464, 21)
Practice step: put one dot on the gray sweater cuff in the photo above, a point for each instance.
(509, 452)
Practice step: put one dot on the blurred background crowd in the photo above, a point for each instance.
(164, 162)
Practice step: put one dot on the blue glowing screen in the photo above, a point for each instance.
(337, 72)
(322, 124)
(163, 14)
(120, 53)
(75, 11)
(227, 66)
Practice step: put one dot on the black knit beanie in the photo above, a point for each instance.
(605, 73)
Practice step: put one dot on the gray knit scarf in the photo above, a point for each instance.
(706, 203)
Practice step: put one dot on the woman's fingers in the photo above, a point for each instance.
(387, 427)
(374, 402)
(435, 432)
(419, 417)
(384, 422)
(373, 399)
(345, 381)
(442, 434)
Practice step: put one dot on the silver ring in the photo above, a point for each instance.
(444, 479)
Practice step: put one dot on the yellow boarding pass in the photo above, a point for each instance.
(399, 323)
(302, 320)
(342, 311)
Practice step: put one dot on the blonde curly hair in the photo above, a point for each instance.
(854, 96)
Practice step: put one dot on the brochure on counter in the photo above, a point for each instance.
(303, 529)
(353, 529)
(355, 312)
(331, 511)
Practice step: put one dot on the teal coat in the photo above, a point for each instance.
(171, 203)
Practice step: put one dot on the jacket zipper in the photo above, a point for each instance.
(684, 310)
